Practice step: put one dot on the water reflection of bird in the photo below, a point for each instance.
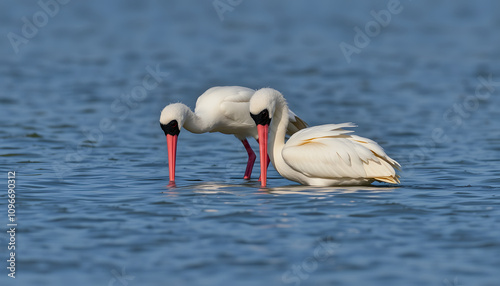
(219, 109)
(325, 155)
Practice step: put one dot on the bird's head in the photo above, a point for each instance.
(172, 119)
(262, 109)
(263, 105)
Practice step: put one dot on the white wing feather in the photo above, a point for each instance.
(235, 106)
(328, 151)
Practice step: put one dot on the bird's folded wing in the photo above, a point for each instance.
(328, 151)
(236, 106)
(319, 131)
(238, 94)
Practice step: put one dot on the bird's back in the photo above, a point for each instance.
(330, 152)
(211, 99)
(226, 107)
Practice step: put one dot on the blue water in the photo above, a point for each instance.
(82, 134)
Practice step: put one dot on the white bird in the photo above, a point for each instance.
(219, 109)
(325, 155)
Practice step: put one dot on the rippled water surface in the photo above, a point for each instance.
(82, 134)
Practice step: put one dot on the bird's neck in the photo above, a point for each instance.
(277, 133)
(195, 124)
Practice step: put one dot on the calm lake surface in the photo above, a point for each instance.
(81, 131)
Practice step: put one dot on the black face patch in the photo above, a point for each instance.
(262, 118)
(172, 128)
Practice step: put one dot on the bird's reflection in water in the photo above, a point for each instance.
(310, 190)
(203, 188)
(216, 187)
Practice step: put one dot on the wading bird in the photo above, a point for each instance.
(325, 155)
(219, 109)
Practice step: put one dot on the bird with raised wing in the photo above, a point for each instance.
(325, 155)
(221, 109)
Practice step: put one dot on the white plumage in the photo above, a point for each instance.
(221, 109)
(323, 155)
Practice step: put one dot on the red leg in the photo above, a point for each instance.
(251, 160)
(268, 160)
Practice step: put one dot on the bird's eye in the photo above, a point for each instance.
(172, 128)
(264, 113)
(262, 118)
